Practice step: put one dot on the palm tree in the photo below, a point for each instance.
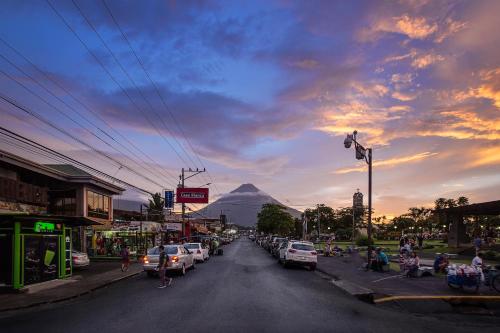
(462, 201)
(440, 203)
(155, 207)
(450, 203)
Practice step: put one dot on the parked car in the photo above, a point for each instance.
(179, 259)
(251, 237)
(199, 251)
(298, 253)
(275, 244)
(80, 259)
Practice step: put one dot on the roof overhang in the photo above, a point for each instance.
(483, 208)
(72, 221)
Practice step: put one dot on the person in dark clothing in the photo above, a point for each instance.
(420, 240)
(162, 266)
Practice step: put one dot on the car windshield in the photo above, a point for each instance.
(171, 250)
(192, 246)
(303, 247)
(153, 251)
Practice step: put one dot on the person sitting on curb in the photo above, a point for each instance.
(382, 259)
(413, 265)
(441, 263)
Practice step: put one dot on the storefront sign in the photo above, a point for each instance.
(41, 226)
(169, 199)
(172, 227)
(192, 195)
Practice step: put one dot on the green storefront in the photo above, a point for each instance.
(35, 248)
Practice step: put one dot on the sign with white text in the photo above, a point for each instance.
(192, 195)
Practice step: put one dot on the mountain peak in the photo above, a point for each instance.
(246, 188)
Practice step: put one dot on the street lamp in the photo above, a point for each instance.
(361, 155)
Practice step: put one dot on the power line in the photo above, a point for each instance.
(47, 122)
(113, 78)
(63, 102)
(29, 142)
(157, 90)
(129, 77)
(97, 115)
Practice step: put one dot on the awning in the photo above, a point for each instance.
(70, 221)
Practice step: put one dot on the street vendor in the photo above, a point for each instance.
(441, 263)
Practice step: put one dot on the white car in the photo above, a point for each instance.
(179, 259)
(298, 253)
(199, 251)
(80, 259)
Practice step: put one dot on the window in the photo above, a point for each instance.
(62, 203)
(97, 205)
(303, 247)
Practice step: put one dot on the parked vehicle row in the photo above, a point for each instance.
(181, 257)
(289, 252)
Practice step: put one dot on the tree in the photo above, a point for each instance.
(155, 208)
(274, 219)
(462, 201)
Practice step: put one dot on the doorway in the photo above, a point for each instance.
(5, 259)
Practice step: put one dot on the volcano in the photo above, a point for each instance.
(242, 205)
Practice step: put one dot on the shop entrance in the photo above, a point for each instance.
(5, 259)
(41, 262)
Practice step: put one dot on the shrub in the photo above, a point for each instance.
(490, 255)
(363, 241)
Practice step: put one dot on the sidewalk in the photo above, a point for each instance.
(378, 287)
(97, 275)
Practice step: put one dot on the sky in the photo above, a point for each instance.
(262, 92)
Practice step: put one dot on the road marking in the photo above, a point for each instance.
(389, 277)
(441, 297)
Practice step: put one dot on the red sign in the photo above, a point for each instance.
(192, 195)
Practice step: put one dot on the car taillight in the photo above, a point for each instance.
(199, 252)
(146, 260)
(175, 259)
(314, 253)
(292, 251)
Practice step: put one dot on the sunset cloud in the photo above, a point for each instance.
(389, 163)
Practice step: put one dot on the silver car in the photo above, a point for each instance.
(179, 259)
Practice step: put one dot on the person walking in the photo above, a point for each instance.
(162, 267)
(125, 254)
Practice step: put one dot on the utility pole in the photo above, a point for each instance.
(361, 155)
(318, 222)
(183, 178)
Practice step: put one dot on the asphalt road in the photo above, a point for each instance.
(243, 291)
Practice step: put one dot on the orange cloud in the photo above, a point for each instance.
(392, 162)
(405, 97)
(426, 60)
(415, 28)
(485, 156)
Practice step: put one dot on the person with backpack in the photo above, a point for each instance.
(125, 254)
(162, 267)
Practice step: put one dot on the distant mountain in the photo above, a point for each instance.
(128, 205)
(242, 205)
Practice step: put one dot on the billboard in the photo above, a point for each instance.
(169, 199)
(192, 195)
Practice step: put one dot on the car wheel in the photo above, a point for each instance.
(285, 264)
(312, 267)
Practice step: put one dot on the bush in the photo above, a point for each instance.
(490, 255)
(363, 241)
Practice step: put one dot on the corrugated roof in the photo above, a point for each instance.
(68, 169)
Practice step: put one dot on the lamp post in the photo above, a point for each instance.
(361, 154)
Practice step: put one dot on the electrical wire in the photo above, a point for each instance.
(157, 91)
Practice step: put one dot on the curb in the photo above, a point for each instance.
(448, 298)
(67, 298)
(351, 289)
